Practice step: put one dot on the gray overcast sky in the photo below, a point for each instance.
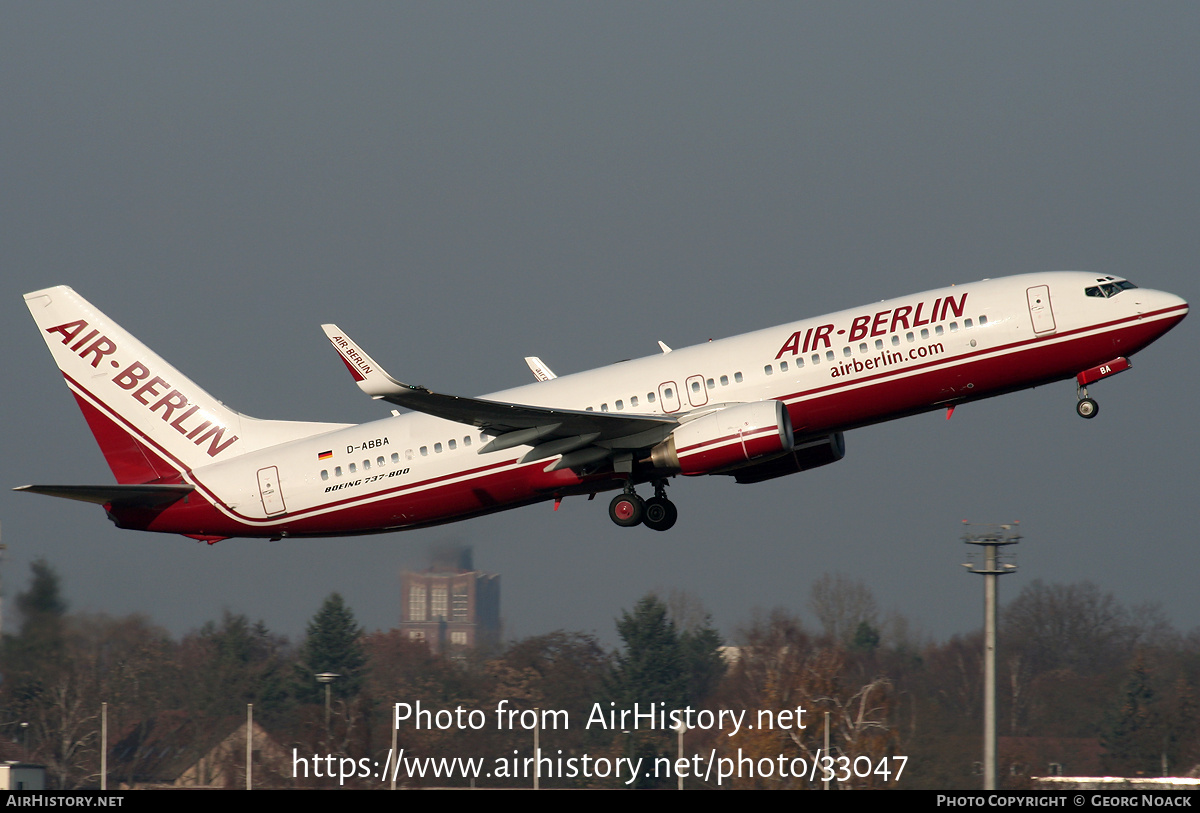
(462, 185)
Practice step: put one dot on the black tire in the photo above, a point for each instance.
(1087, 408)
(661, 514)
(626, 510)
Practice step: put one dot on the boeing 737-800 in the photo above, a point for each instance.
(757, 406)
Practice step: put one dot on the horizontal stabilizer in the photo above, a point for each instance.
(132, 496)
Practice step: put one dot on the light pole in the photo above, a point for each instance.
(679, 729)
(991, 538)
(327, 678)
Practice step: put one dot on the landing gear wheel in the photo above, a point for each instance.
(626, 510)
(661, 514)
(1087, 408)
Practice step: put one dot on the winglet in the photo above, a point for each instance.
(370, 377)
(540, 371)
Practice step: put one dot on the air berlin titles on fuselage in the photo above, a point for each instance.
(88, 343)
(905, 317)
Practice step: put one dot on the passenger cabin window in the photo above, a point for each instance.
(324, 474)
(437, 448)
(724, 381)
(353, 468)
(737, 377)
(768, 370)
(452, 443)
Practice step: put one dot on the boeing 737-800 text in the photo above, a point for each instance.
(755, 407)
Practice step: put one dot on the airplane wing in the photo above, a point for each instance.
(550, 430)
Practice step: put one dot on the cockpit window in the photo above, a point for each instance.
(1109, 289)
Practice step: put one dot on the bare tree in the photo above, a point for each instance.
(841, 604)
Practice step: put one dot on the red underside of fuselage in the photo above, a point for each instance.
(844, 403)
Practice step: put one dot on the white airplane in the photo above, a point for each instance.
(756, 406)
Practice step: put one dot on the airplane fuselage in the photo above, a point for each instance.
(833, 373)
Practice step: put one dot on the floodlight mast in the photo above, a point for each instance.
(991, 538)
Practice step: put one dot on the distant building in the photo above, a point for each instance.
(180, 750)
(450, 605)
(22, 776)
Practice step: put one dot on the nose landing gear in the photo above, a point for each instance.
(1087, 407)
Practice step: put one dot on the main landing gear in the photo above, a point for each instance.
(657, 513)
(1086, 407)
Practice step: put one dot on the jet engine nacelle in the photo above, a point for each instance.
(726, 439)
(807, 455)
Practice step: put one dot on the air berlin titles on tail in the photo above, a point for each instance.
(878, 324)
(187, 423)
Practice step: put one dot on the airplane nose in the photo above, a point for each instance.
(1170, 301)
(1173, 308)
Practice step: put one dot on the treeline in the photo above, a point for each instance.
(1085, 685)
